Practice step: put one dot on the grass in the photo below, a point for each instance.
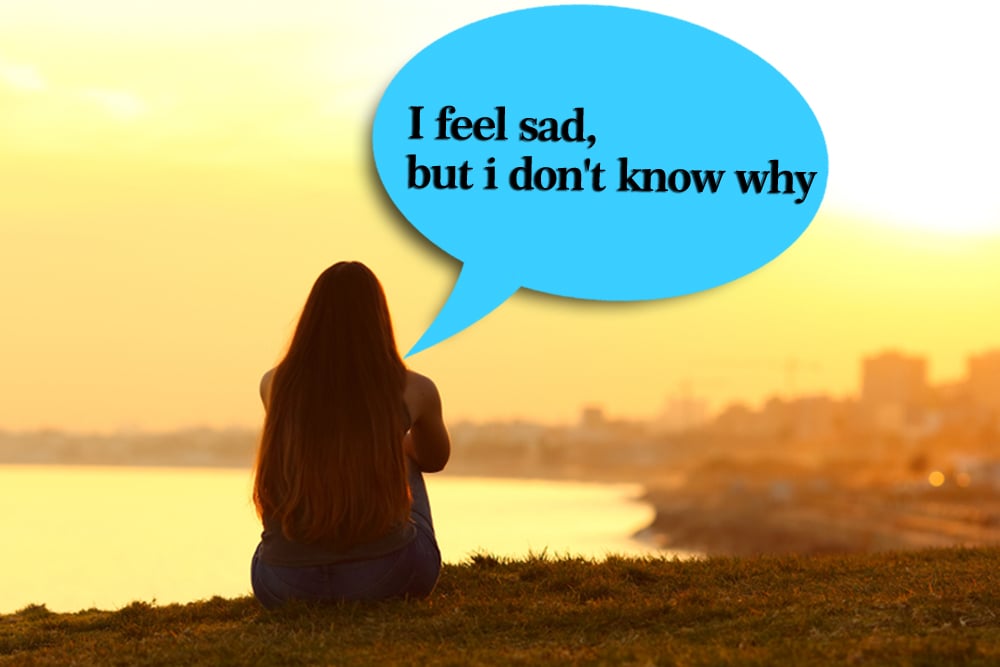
(933, 607)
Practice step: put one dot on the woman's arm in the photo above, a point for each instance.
(428, 442)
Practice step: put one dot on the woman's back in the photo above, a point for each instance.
(347, 433)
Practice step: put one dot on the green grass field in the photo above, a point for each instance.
(935, 607)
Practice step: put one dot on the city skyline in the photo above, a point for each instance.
(891, 377)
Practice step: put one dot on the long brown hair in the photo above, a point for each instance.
(330, 466)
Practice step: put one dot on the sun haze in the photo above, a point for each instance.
(175, 176)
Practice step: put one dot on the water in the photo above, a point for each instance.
(82, 537)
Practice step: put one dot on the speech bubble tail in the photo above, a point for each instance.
(477, 293)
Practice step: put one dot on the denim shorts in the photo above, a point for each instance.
(409, 572)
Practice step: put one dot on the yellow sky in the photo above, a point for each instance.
(173, 176)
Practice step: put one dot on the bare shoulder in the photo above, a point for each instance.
(265, 386)
(420, 384)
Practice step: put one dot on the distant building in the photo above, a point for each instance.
(893, 386)
(592, 416)
(814, 419)
(681, 413)
(984, 380)
(737, 419)
(893, 378)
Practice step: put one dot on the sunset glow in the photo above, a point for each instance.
(176, 175)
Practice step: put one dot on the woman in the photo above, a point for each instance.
(348, 432)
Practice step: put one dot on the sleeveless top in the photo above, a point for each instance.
(276, 549)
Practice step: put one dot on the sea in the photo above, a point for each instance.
(80, 537)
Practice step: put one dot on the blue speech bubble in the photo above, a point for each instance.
(597, 153)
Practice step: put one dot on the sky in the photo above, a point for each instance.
(174, 176)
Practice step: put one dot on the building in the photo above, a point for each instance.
(893, 387)
(984, 380)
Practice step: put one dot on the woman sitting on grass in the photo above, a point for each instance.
(348, 431)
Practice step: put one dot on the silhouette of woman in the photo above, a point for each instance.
(348, 432)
